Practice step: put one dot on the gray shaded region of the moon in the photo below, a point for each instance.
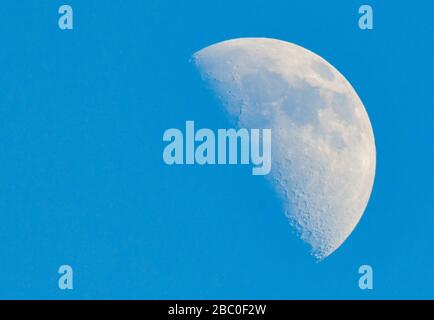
(323, 149)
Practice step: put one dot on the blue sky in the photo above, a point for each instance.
(82, 181)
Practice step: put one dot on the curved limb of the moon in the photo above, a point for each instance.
(323, 149)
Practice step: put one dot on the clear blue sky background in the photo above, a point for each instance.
(82, 181)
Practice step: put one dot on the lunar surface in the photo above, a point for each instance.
(323, 149)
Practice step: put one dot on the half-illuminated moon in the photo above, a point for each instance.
(323, 149)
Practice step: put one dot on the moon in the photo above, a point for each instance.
(323, 148)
